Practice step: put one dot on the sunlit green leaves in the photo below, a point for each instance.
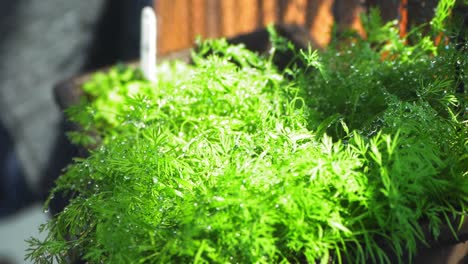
(230, 160)
(442, 12)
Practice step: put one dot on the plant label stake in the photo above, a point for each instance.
(148, 43)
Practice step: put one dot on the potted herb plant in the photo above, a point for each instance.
(356, 155)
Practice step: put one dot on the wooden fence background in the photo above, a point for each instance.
(180, 21)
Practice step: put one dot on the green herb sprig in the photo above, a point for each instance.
(342, 156)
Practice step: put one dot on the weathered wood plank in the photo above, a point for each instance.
(213, 18)
(295, 12)
(173, 33)
(268, 11)
(248, 15)
(230, 17)
(197, 19)
(347, 15)
(319, 20)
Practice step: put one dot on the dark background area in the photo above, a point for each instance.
(38, 34)
(41, 44)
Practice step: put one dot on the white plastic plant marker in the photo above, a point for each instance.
(148, 43)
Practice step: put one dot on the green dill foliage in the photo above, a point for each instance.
(344, 156)
(442, 12)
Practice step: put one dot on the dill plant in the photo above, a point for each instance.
(341, 157)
